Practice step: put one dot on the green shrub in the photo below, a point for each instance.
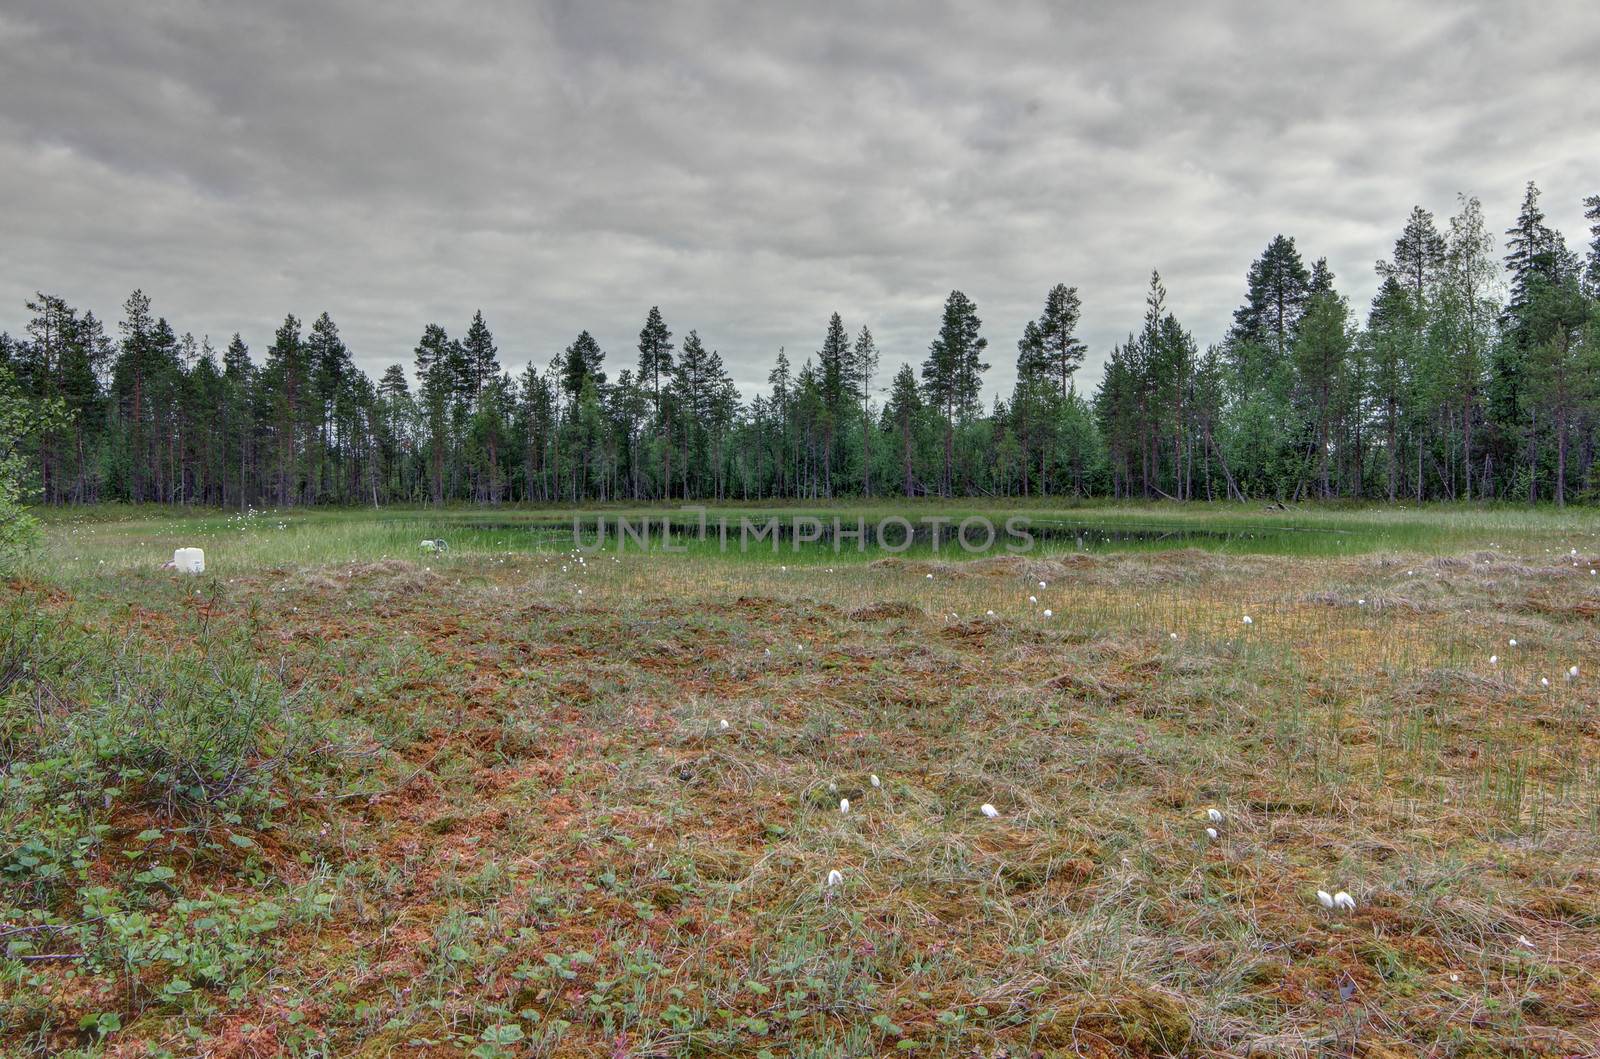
(91, 723)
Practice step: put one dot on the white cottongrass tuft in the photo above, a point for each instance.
(1211, 833)
(1033, 599)
(844, 805)
(988, 810)
(1325, 899)
(989, 613)
(1512, 641)
(1494, 660)
(835, 877)
(1172, 636)
(876, 782)
(723, 724)
(1344, 902)
(1041, 584)
(1214, 815)
(1544, 682)
(1572, 674)
(1248, 620)
(930, 577)
(1049, 613)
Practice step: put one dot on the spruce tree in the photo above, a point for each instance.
(1536, 257)
(901, 415)
(1591, 212)
(1322, 357)
(479, 360)
(1534, 251)
(580, 363)
(1392, 334)
(1562, 368)
(1321, 281)
(1030, 353)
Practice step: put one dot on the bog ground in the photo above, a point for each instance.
(338, 798)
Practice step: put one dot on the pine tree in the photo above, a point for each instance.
(89, 356)
(1060, 350)
(1419, 254)
(655, 354)
(952, 375)
(239, 378)
(1464, 319)
(435, 358)
(838, 392)
(285, 375)
(131, 380)
(1277, 287)
(863, 365)
(332, 372)
(655, 367)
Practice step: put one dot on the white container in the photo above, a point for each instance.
(189, 560)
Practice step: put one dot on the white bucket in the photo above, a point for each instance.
(189, 560)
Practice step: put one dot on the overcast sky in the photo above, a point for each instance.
(753, 167)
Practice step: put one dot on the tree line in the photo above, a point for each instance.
(1471, 376)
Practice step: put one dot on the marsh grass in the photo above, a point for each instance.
(502, 817)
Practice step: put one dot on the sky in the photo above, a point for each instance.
(753, 167)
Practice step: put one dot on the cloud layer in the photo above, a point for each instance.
(753, 167)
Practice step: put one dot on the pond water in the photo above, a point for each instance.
(767, 534)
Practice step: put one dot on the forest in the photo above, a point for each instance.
(1473, 374)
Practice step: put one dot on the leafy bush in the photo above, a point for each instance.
(19, 417)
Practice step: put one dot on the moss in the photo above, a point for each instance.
(1135, 1019)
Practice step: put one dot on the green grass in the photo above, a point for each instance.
(334, 798)
(84, 541)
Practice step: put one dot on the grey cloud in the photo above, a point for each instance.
(752, 167)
